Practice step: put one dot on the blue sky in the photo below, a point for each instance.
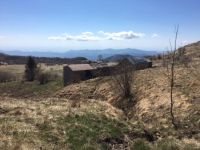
(60, 25)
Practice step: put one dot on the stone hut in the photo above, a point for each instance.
(104, 69)
(140, 63)
(77, 72)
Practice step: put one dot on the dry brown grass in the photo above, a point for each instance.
(20, 119)
(30, 124)
(18, 70)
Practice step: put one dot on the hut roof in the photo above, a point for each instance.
(102, 65)
(80, 67)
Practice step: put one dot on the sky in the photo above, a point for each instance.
(60, 25)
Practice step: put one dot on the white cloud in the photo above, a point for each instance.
(155, 35)
(101, 35)
(85, 36)
(88, 33)
(123, 35)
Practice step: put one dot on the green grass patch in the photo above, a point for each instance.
(30, 89)
(167, 144)
(191, 147)
(87, 131)
(140, 145)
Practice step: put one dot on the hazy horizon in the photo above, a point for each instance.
(68, 50)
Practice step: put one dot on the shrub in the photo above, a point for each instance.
(43, 78)
(123, 78)
(122, 82)
(6, 76)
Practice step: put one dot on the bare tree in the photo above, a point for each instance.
(171, 74)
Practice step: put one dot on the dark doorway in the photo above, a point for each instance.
(88, 74)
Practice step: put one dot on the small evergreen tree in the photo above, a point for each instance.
(30, 69)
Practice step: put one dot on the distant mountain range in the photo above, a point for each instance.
(89, 54)
(119, 57)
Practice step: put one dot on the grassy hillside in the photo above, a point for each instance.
(193, 49)
(84, 115)
(57, 124)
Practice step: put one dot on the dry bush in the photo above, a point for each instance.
(122, 83)
(123, 79)
(45, 77)
(6, 77)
